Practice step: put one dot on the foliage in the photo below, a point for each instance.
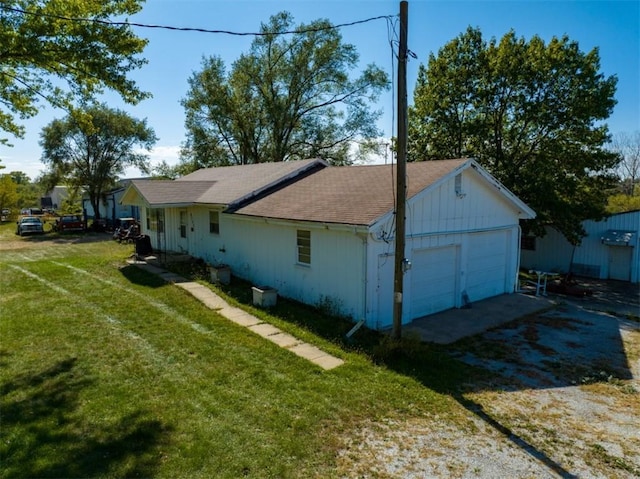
(43, 56)
(288, 98)
(627, 146)
(90, 149)
(530, 113)
(622, 203)
(8, 193)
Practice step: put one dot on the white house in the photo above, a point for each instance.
(322, 234)
(610, 250)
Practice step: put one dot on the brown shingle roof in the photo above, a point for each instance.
(355, 195)
(223, 185)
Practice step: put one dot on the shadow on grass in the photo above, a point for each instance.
(44, 434)
(143, 278)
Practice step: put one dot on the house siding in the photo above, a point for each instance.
(591, 258)
(468, 225)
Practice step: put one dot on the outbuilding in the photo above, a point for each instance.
(325, 235)
(610, 250)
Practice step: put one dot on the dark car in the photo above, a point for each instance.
(30, 225)
(69, 223)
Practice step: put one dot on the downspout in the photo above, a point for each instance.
(364, 277)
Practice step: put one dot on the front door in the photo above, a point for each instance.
(183, 240)
(620, 262)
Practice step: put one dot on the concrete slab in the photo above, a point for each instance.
(307, 351)
(284, 340)
(449, 326)
(265, 329)
(328, 362)
(239, 316)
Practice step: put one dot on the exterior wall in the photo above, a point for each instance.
(265, 253)
(591, 258)
(112, 209)
(446, 221)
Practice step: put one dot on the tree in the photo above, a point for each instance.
(89, 151)
(530, 113)
(47, 52)
(289, 98)
(8, 193)
(627, 146)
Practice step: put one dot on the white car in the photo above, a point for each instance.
(29, 225)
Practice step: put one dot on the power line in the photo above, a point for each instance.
(193, 29)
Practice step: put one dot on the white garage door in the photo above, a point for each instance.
(487, 264)
(433, 280)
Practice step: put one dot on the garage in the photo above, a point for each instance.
(487, 264)
(434, 280)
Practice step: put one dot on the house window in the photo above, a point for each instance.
(214, 222)
(304, 247)
(155, 219)
(528, 243)
(183, 224)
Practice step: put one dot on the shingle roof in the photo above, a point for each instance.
(160, 192)
(355, 195)
(223, 185)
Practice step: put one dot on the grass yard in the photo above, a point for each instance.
(108, 372)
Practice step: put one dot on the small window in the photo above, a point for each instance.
(183, 224)
(214, 222)
(304, 247)
(528, 243)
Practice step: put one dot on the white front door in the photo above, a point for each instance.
(620, 262)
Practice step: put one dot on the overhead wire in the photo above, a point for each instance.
(193, 29)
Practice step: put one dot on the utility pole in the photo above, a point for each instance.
(401, 173)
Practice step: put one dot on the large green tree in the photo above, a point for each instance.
(8, 194)
(90, 150)
(530, 112)
(290, 97)
(48, 53)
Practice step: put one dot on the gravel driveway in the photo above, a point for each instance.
(563, 400)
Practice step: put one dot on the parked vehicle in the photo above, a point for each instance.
(69, 223)
(29, 225)
(31, 211)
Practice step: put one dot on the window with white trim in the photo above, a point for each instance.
(304, 246)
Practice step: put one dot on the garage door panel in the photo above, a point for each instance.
(433, 280)
(487, 265)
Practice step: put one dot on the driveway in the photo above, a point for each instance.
(560, 397)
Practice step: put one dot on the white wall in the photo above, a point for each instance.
(265, 253)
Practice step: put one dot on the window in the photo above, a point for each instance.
(304, 247)
(214, 222)
(183, 224)
(155, 219)
(528, 243)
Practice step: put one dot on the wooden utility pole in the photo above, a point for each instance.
(401, 173)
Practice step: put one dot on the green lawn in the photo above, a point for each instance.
(109, 372)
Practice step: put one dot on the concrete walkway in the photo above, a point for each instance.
(454, 324)
(242, 318)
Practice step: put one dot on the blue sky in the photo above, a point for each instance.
(611, 26)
